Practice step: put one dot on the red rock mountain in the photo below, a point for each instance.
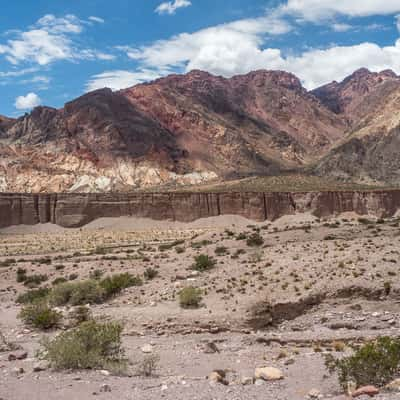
(193, 128)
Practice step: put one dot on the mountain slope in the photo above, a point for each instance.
(369, 151)
(197, 128)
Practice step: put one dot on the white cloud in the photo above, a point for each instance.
(47, 41)
(314, 10)
(170, 7)
(120, 79)
(241, 46)
(224, 49)
(68, 24)
(27, 102)
(340, 27)
(96, 19)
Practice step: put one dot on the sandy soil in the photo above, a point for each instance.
(342, 263)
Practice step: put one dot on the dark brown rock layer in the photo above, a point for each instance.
(75, 210)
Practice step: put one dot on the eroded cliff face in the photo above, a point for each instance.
(75, 210)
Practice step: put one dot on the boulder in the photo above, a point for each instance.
(268, 374)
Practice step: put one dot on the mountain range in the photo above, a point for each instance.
(196, 128)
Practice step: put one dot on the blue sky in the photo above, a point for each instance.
(53, 51)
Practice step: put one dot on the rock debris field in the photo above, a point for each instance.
(222, 308)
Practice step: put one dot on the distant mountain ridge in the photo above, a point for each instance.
(194, 128)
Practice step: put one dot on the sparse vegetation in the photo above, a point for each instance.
(148, 365)
(91, 345)
(203, 262)
(255, 240)
(375, 363)
(40, 315)
(190, 297)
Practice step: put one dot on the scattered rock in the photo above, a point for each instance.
(105, 388)
(314, 394)
(366, 390)
(217, 377)
(211, 348)
(393, 386)
(105, 372)
(268, 374)
(40, 366)
(247, 380)
(18, 371)
(147, 349)
(18, 355)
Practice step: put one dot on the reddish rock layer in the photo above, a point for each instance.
(75, 210)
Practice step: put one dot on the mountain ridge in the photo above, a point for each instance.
(196, 128)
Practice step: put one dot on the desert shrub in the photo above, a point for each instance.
(80, 314)
(113, 285)
(255, 240)
(73, 277)
(100, 250)
(96, 274)
(241, 236)
(34, 280)
(77, 293)
(221, 250)
(91, 345)
(190, 297)
(203, 262)
(58, 281)
(44, 260)
(40, 315)
(7, 262)
(375, 363)
(179, 249)
(202, 243)
(387, 288)
(21, 275)
(168, 246)
(148, 365)
(150, 273)
(33, 295)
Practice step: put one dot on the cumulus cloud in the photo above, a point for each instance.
(241, 46)
(314, 10)
(170, 7)
(121, 79)
(27, 102)
(47, 41)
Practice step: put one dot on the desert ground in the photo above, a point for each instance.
(310, 288)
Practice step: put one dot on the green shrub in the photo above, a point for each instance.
(148, 365)
(113, 285)
(7, 262)
(375, 363)
(80, 314)
(203, 262)
(91, 345)
(33, 295)
(150, 273)
(40, 315)
(255, 240)
(58, 281)
(180, 249)
(190, 297)
(77, 293)
(221, 250)
(21, 275)
(96, 274)
(35, 280)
